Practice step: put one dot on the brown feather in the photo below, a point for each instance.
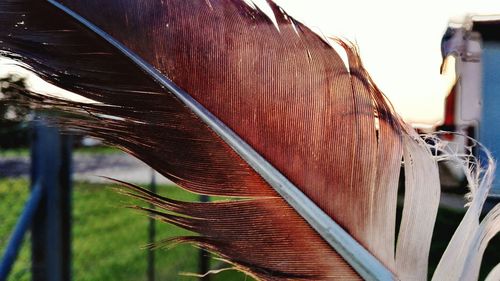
(263, 83)
(285, 92)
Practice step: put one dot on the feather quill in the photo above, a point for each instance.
(236, 98)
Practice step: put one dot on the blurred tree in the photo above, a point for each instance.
(14, 112)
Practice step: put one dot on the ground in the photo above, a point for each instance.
(87, 166)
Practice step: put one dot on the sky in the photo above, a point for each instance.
(399, 43)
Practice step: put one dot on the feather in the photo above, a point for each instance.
(142, 106)
(235, 98)
(417, 223)
(462, 257)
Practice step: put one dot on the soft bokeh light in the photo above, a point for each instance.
(35, 83)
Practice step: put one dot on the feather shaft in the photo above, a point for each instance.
(369, 267)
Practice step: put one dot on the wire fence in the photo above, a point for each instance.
(107, 240)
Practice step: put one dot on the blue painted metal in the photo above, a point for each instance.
(51, 232)
(489, 128)
(22, 226)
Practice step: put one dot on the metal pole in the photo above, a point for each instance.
(152, 232)
(22, 226)
(51, 230)
(204, 256)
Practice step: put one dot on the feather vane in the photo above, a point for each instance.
(236, 98)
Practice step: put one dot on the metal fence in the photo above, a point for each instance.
(14, 194)
(46, 212)
(52, 230)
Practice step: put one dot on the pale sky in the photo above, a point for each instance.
(399, 43)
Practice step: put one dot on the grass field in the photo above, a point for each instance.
(84, 150)
(108, 239)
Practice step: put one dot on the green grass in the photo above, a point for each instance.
(91, 150)
(13, 195)
(15, 152)
(109, 240)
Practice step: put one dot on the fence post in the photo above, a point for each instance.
(51, 230)
(204, 256)
(152, 232)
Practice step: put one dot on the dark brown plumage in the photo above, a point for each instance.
(277, 85)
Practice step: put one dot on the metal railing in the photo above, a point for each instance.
(48, 211)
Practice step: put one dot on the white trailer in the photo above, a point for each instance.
(473, 106)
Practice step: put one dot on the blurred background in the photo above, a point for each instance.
(82, 230)
(403, 46)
